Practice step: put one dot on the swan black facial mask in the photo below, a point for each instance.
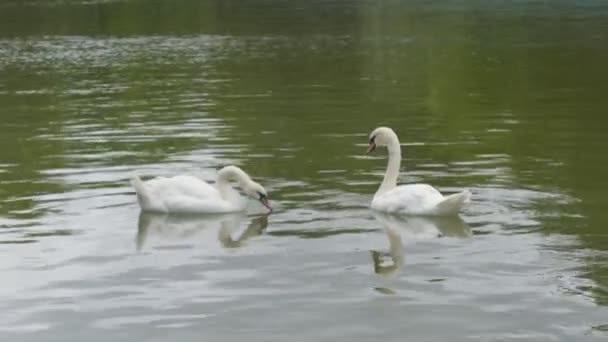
(372, 144)
(264, 200)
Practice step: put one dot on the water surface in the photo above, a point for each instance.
(506, 99)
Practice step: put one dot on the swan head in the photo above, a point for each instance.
(256, 191)
(381, 136)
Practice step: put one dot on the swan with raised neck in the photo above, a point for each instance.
(408, 199)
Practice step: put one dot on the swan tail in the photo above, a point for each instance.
(452, 204)
(141, 190)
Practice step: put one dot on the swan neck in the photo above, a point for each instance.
(392, 170)
(227, 174)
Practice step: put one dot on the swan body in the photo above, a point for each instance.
(188, 194)
(410, 199)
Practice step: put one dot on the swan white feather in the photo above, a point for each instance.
(410, 199)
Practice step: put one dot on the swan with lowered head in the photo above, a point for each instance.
(410, 199)
(188, 194)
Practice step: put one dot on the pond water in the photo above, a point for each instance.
(507, 99)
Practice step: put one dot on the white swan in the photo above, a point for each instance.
(410, 199)
(188, 194)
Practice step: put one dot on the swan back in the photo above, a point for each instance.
(412, 199)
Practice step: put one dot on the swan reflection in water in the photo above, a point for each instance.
(412, 227)
(182, 227)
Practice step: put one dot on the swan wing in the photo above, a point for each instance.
(414, 199)
(184, 204)
(178, 186)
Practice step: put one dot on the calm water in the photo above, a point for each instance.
(507, 99)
